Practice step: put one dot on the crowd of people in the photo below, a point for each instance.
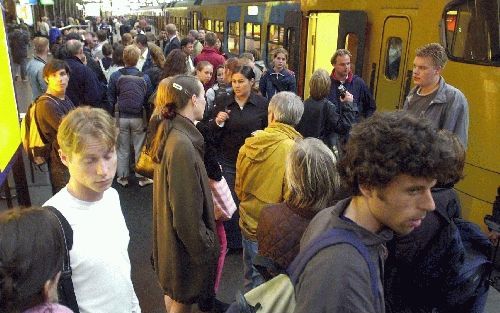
(241, 162)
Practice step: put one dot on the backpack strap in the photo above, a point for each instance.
(332, 237)
(65, 287)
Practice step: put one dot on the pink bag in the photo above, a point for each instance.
(224, 205)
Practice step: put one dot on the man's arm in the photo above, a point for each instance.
(456, 117)
(367, 101)
(92, 89)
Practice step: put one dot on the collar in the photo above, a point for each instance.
(252, 99)
(349, 76)
(187, 127)
(172, 38)
(145, 53)
(36, 57)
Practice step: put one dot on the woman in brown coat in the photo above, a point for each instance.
(185, 248)
(312, 179)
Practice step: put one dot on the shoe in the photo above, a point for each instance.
(144, 181)
(123, 181)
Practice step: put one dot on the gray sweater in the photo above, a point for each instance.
(337, 279)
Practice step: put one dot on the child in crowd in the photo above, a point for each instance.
(279, 78)
(212, 91)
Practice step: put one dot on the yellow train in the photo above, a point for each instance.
(378, 33)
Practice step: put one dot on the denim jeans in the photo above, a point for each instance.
(251, 277)
(232, 227)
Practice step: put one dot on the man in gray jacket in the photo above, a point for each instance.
(444, 105)
(390, 166)
(35, 66)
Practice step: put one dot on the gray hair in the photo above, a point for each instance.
(73, 47)
(287, 108)
(311, 175)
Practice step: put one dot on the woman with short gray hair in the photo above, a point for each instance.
(311, 179)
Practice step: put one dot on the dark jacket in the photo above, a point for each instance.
(49, 113)
(211, 156)
(213, 57)
(185, 245)
(154, 73)
(321, 120)
(337, 279)
(174, 43)
(279, 231)
(272, 82)
(83, 88)
(364, 102)
(129, 93)
(18, 43)
(418, 262)
(240, 125)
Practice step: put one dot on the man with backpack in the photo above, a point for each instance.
(128, 92)
(391, 163)
(50, 108)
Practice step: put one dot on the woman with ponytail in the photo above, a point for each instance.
(185, 245)
(31, 258)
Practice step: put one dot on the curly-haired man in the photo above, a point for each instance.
(391, 163)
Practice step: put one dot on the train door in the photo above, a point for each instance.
(391, 77)
(329, 31)
(292, 26)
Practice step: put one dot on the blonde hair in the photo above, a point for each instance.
(163, 96)
(40, 44)
(131, 55)
(278, 51)
(311, 175)
(320, 84)
(83, 123)
(434, 51)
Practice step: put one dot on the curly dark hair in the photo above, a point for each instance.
(387, 145)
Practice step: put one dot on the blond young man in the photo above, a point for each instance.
(444, 105)
(99, 257)
(34, 68)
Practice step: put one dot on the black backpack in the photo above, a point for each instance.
(132, 91)
(65, 289)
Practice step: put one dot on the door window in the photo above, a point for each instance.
(393, 57)
(252, 36)
(233, 38)
(275, 40)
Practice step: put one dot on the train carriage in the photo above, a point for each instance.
(382, 36)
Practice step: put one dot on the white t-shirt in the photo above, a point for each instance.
(99, 257)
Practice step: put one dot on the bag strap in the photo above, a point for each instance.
(332, 237)
(66, 283)
(35, 104)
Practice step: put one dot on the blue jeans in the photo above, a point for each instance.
(232, 227)
(251, 277)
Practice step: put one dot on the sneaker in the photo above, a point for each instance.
(144, 181)
(122, 181)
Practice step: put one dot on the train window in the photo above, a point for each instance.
(351, 44)
(471, 31)
(196, 20)
(252, 36)
(207, 24)
(275, 40)
(233, 38)
(219, 26)
(393, 57)
(183, 27)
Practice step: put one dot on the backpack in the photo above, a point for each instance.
(131, 91)
(35, 145)
(278, 294)
(466, 284)
(65, 289)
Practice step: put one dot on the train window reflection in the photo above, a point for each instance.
(275, 40)
(471, 30)
(233, 38)
(351, 44)
(207, 24)
(393, 57)
(252, 36)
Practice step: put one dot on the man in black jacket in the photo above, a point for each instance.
(173, 41)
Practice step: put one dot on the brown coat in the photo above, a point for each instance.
(185, 245)
(279, 232)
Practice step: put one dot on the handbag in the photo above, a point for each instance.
(224, 205)
(145, 163)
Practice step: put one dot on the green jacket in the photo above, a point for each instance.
(260, 172)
